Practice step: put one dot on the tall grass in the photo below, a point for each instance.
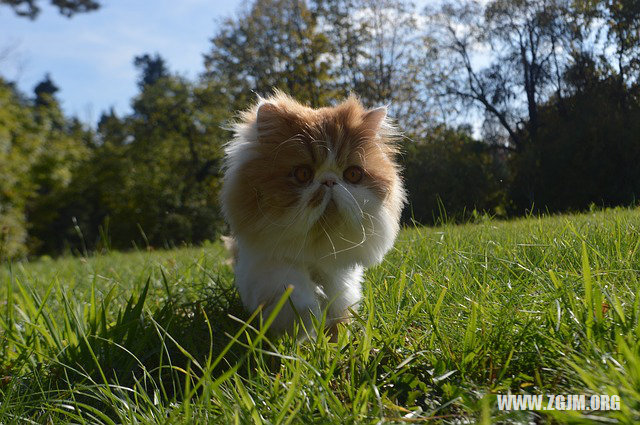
(454, 316)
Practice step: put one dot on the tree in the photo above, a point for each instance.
(39, 149)
(152, 68)
(623, 18)
(151, 178)
(45, 91)
(64, 146)
(588, 154)
(449, 175)
(541, 71)
(175, 153)
(68, 8)
(622, 24)
(18, 145)
(275, 44)
(321, 51)
(523, 40)
(376, 46)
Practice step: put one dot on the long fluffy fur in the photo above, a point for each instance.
(312, 236)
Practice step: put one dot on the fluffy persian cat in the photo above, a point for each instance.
(312, 196)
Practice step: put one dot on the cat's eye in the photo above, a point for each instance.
(303, 173)
(353, 174)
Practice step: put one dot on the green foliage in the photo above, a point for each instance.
(320, 51)
(275, 44)
(454, 316)
(39, 150)
(45, 91)
(151, 69)
(623, 27)
(152, 179)
(451, 176)
(576, 160)
(378, 53)
(18, 143)
(559, 93)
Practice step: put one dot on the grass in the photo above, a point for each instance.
(454, 316)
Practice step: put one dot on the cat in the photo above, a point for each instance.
(312, 197)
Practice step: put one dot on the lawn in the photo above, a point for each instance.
(455, 315)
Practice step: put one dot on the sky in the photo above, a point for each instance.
(90, 56)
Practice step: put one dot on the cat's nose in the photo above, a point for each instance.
(329, 182)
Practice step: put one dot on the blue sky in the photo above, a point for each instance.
(90, 56)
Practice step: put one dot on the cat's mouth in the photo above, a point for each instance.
(330, 210)
(331, 207)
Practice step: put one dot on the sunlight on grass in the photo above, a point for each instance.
(454, 315)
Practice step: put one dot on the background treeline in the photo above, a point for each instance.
(506, 105)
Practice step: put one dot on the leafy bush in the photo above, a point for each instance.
(449, 175)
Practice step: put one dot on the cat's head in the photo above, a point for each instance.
(321, 178)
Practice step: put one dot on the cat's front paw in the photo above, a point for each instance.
(300, 308)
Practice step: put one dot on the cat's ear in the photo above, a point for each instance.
(267, 111)
(267, 115)
(269, 118)
(375, 118)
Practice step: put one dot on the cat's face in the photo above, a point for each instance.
(324, 177)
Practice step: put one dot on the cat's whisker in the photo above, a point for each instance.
(312, 140)
(362, 228)
(334, 252)
(355, 202)
(291, 223)
(362, 156)
(373, 217)
(295, 138)
(286, 226)
(271, 222)
(321, 143)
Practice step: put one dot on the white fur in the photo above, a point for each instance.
(325, 273)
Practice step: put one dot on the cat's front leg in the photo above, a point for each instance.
(264, 285)
(343, 291)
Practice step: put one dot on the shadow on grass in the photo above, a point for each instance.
(87, 352)
(176, 339)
